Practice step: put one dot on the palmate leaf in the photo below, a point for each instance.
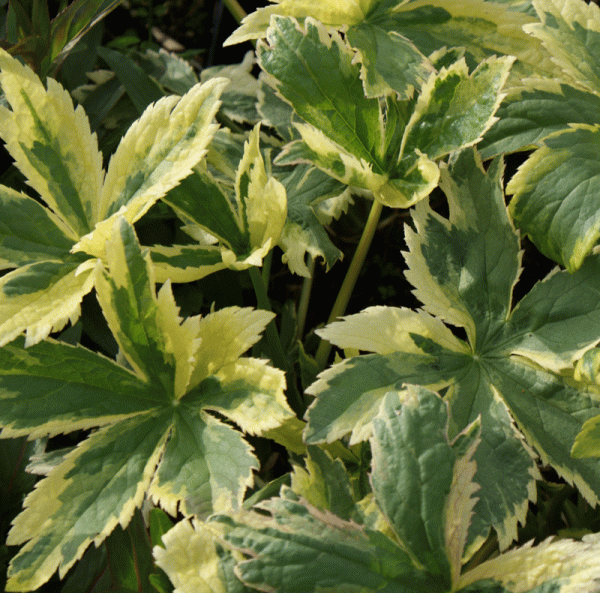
(407, 536)
(54, 247)
(155, 436)
(388, 147)
(554, 190)
(508, 371)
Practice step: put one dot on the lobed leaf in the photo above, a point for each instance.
(554, 195)
(155, 437)
(52, 144)
(508, 373)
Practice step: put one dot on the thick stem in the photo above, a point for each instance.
(339, 307)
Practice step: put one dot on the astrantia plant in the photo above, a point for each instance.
(508, 371)
(408, 534)
(156, 437)
(53, 243)
(413, 461)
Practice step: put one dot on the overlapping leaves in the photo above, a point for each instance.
(54, 242)
(508, 371)
(387, 146)
(245, 221)
(407, 535)
(384, 33)
(155, 436)
(555, 191)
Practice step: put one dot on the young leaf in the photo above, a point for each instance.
(248, 224)
(156, 437)
(54, 244)
(508, 371)
(387, 147)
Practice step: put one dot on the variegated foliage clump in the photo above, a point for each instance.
(418, 453)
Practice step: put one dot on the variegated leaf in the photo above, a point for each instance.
(156, 437)
(52, 145)
(388, 147)
(246, 222)
(158, 151)
(555, 195)
(563, 565)
(509, 370)
(483, 28)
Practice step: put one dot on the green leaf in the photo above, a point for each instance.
(554, 195)
(156, 437)
(318, 549)
(420, 481)
(412, 474)
(334, 104)
(130, 555)
(379, 50)
(532, 113)
(28, 231)
(169, 70)
(508, 372)
(52, 145)
(72, 23)
(140, 87)
(386, 147)
(455, 108)
(54, 148)
(570, 32)
(553, 190)
(325, 484)
(247, 222)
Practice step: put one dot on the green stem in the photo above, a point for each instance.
(278, 355)
(234, 7)
(339, 307)
(305, 298)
